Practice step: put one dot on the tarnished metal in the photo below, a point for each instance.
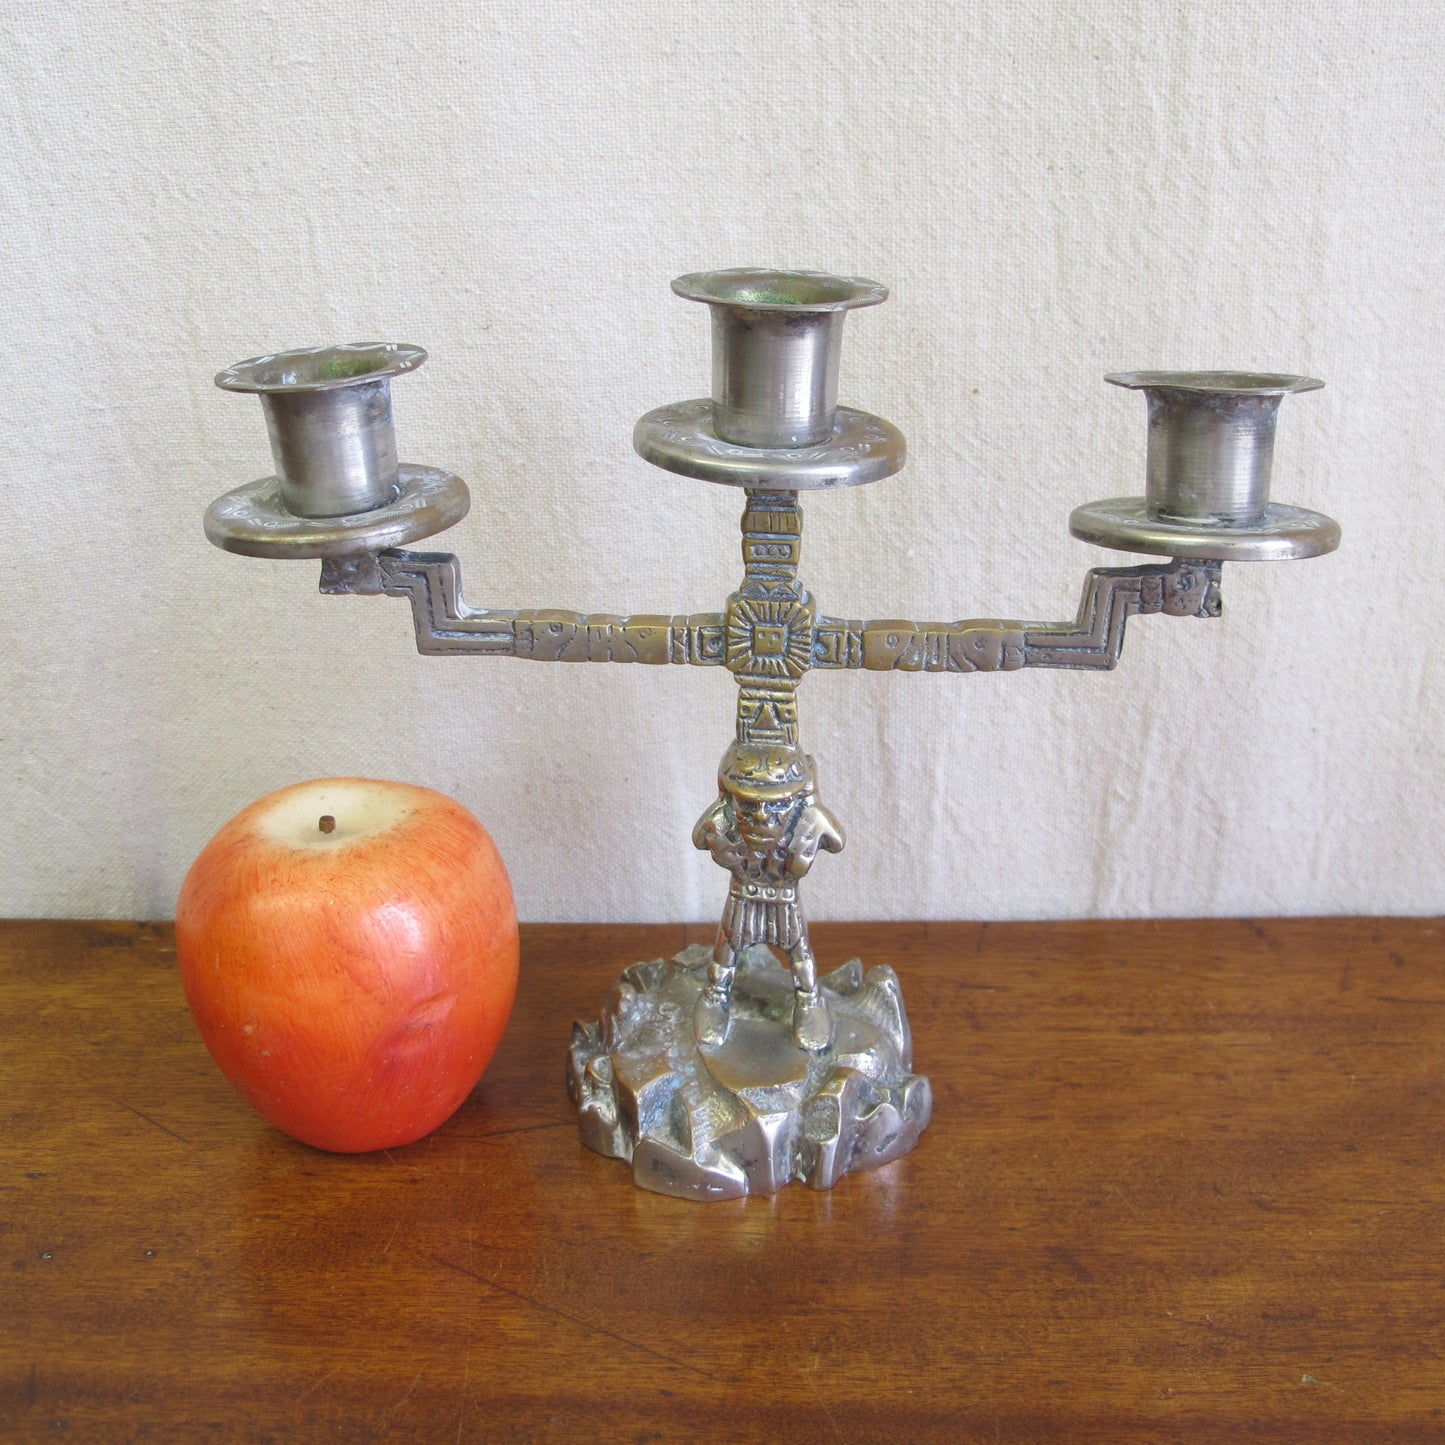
(339, 490)
(720, 1072)
(776, 340)
(254, 520)
(1284, 534)
(680, 438)
(1211, 447)
(446, 625)
(328, 413)
(752, 1113)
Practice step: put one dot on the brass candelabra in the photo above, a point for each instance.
(721, 1072)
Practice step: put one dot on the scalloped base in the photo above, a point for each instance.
(756, 1112)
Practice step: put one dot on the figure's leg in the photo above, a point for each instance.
(812, 1023)
(710, 1016)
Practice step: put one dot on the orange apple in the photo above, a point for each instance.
(349, 954)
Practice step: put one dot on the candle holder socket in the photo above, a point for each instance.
(339, 488)
(773, 421)
(1207, 475)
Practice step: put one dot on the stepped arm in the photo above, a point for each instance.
(1094, 640)
(446, 626)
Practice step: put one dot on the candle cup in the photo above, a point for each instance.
(1211, 442)
(328, 414)
(776, 341)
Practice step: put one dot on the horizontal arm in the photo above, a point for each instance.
(445, 625)
(1094, 640)
(1112, 595)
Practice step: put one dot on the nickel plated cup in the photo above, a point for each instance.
(773, 421)
(776, 340)
(1207, 474)
(339, 488)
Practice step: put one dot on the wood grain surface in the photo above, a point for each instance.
(1185, 1181)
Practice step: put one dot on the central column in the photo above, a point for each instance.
(770, 620)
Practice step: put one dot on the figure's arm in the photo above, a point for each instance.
(816, 828)
(1181, 588)
(707, 834)
(445, 625)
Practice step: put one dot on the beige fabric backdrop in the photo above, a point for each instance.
(1052, 190)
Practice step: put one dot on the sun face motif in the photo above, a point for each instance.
(769, 638)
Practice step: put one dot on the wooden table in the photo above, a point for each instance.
(1185, 1181)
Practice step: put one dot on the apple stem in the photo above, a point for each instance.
(327, 823)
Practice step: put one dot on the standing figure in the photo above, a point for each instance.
(765, 828)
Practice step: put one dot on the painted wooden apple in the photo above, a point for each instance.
(349, 953)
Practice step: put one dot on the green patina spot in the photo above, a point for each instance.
(338, 368)
(766, 298)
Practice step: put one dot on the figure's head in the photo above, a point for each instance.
(766, 782)
(766, 772)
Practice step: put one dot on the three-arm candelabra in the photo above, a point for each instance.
(718, 1072)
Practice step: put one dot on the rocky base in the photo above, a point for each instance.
(755, 1112)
